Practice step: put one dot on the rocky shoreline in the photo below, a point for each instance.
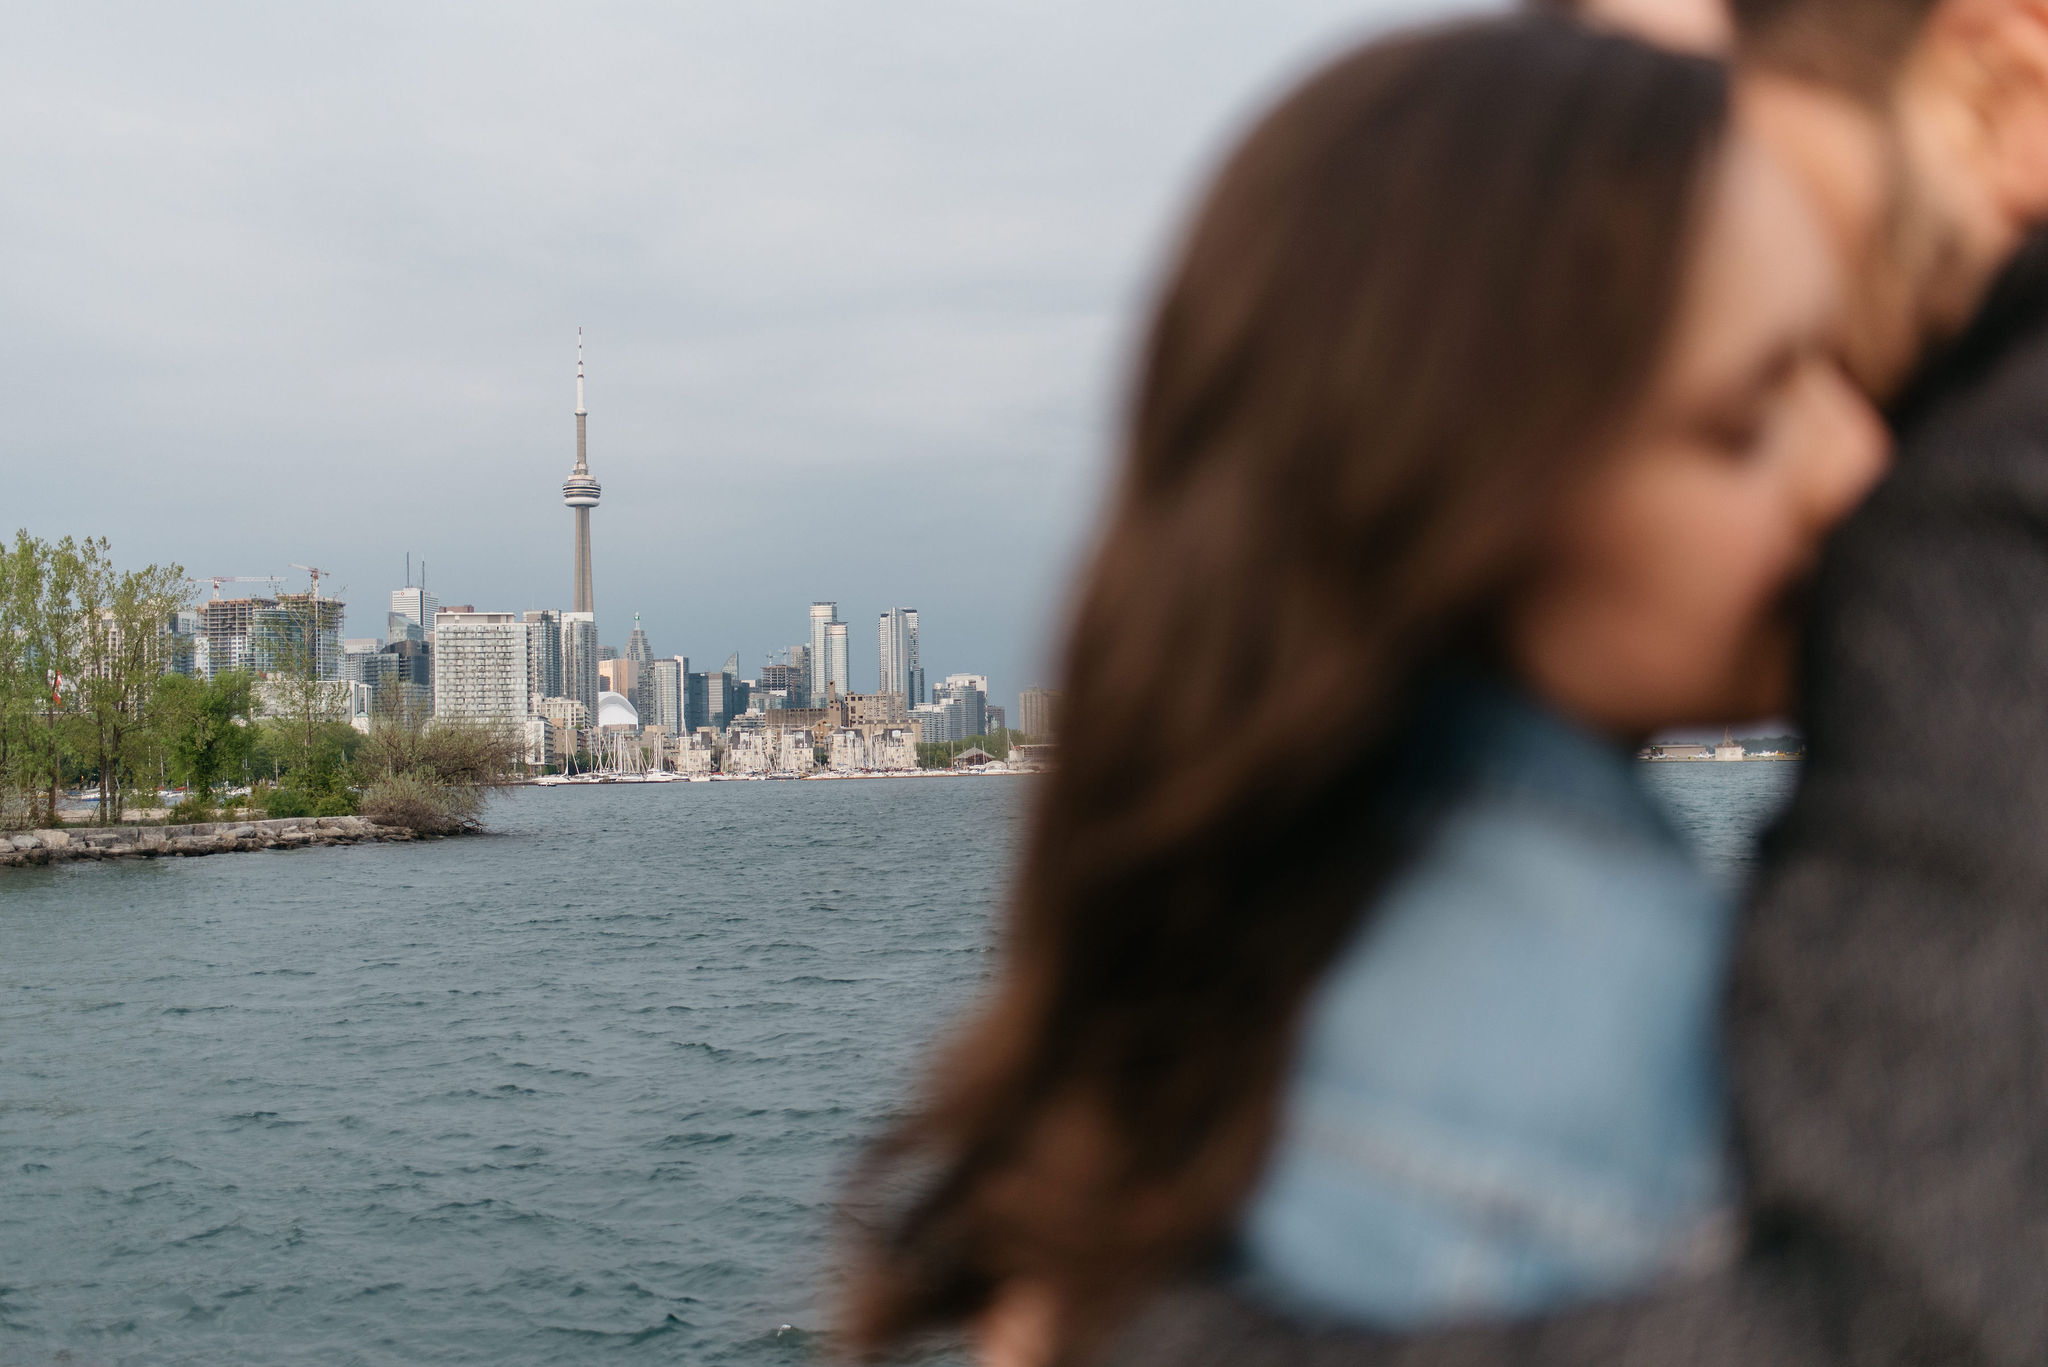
(212, 837)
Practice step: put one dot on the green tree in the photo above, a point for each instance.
(124, 616)
(206, 727)
(41, 620)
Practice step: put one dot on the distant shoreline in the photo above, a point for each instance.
(1709, 759)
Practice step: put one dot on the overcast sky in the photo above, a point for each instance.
(302, 282)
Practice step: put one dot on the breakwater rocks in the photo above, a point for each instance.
(212, 837)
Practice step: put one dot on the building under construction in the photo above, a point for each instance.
(295, 634)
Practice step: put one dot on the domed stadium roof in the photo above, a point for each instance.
(613, 709)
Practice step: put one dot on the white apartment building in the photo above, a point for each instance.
(480, 666)
(838, 672)
(746, 752)
(848, 750)
(893, 750)
(690, 754)
(796, 751)
(901, 671)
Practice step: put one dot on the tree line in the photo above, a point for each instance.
(92, 696)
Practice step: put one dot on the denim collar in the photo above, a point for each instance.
(1471, 736)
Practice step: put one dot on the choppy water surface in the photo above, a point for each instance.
(575, 1092)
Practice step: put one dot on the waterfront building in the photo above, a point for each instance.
(691, 754)
(580, 492)
(1038, 713)
(480, 669)
(893, 749)
(360, 645)
(795, 751)
(847, 750)
(998, 720)
(415, 605)
(544, 674)
(579, 658)
(746, 752)
(876, 709)
(1682, 752)
(399, 627)
(823, 616)
(667, 692)
(901, 671)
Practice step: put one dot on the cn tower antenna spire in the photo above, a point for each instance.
(580, 492)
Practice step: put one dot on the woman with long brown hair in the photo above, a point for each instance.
(1483, 429)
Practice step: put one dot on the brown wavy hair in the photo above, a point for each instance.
(1412, 312)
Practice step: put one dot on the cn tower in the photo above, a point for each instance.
(580, 492)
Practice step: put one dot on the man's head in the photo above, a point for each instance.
(1919, 126)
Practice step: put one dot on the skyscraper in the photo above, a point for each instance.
(637, 649)
(579, 659)
(1039, 713)
(580, 492)
(971, 692)
(670, 695)
(416, 605)
(836, 670)
(641, 656)
(901, 672)
(545, 676)
(822, 616)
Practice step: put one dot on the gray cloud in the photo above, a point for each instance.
(301, 283)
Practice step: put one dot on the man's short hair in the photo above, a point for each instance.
(1854, 45)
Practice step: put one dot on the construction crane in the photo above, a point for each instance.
(315, 572)
(220, 579)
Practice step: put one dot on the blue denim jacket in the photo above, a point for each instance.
(1507, 1097)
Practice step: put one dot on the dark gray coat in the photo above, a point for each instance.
(1889, 1014)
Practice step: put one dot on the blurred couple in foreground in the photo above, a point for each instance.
(1516, 395)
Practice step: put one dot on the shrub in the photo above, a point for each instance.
(336, 804)
(433, 777)
(189, 812)
(419, 804)
(286, 802)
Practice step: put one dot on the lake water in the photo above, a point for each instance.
(579, 1091)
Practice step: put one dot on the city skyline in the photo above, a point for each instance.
(258, 321)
